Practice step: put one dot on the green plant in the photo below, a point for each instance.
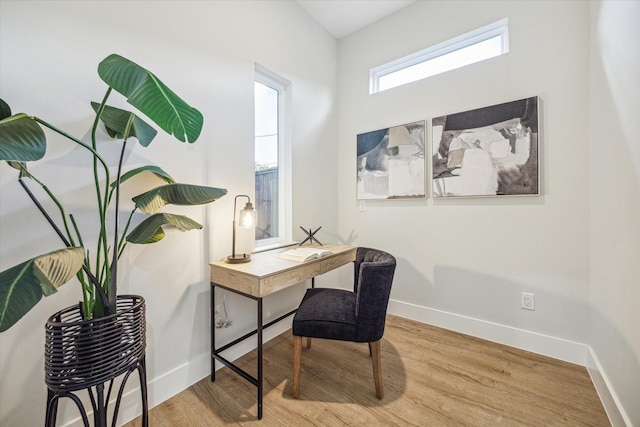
(23, 139)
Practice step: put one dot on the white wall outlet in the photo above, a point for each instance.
(527, 301)
(363, 206)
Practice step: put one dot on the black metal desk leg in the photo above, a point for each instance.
(260, 379)
(213, 332)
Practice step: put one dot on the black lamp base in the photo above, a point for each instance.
(238, 258)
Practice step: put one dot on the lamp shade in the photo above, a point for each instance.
(248, 217)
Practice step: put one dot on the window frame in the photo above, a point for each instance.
(497, 29)
(283, 87)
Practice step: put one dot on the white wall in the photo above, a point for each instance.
(615, 198)
(473, 257)
(205, 51)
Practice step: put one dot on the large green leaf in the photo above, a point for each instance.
(150, 230)
(177, 194)
(5, 110)
(21, 139)
(22, 286)
(157, 171)
(149, 95)
(116, 120)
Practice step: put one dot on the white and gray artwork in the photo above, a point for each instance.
(490, 151)
(391, 162)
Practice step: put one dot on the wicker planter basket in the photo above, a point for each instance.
(86, 354)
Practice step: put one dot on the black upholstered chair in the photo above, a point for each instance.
(339, 314)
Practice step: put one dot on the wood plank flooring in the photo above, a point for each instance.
(431, 377)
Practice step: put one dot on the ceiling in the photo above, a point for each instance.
(343, 17)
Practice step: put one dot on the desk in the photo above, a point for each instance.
(265, 274)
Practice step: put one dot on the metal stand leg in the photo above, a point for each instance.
(142, 372)
(100, 416)
(99, 402)
(52, 408)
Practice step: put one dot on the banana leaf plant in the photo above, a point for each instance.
(23, 140)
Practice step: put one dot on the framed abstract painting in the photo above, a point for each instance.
(490, 151)
(391, 162)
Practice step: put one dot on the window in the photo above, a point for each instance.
(475, 46)
(272, 158)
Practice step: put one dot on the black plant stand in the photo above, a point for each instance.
(91, 354)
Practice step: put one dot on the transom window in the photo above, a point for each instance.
(484, 43)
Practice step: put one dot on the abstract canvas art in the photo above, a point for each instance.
(490, 151)
(391, 162)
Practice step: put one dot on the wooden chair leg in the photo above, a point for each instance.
(308, 342)
(377, 368)
(297, 355)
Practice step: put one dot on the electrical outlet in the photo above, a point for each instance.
(363, 206)
(527, 301)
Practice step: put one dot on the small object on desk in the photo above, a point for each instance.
(310, 236)
(304, 254)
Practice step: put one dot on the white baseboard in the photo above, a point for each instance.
(557, 348)
(546, 345)
(617, 416)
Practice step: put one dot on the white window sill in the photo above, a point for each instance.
(273, 246)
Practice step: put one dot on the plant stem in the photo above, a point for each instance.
(45, 213)
(113, 284)
(123, 239)
(42, 210)
(55, 200)
(87, 291)
(104, 272)
(96, 155)
(96, 158)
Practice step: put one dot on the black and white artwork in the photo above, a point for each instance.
(391, 162)
(490, 151)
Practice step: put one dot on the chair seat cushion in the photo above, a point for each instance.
(326, 313)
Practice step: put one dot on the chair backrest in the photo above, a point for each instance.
(374, 271)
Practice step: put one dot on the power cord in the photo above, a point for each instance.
(219, 322)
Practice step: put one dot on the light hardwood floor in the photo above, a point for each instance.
(431, 377)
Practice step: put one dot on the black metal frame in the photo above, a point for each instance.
(88, 354)
(215, 352)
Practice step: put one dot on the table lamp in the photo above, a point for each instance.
(248, 218)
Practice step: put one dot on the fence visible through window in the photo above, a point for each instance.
(267, 203)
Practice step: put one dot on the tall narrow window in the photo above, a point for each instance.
(272, 158)
(475, 46)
